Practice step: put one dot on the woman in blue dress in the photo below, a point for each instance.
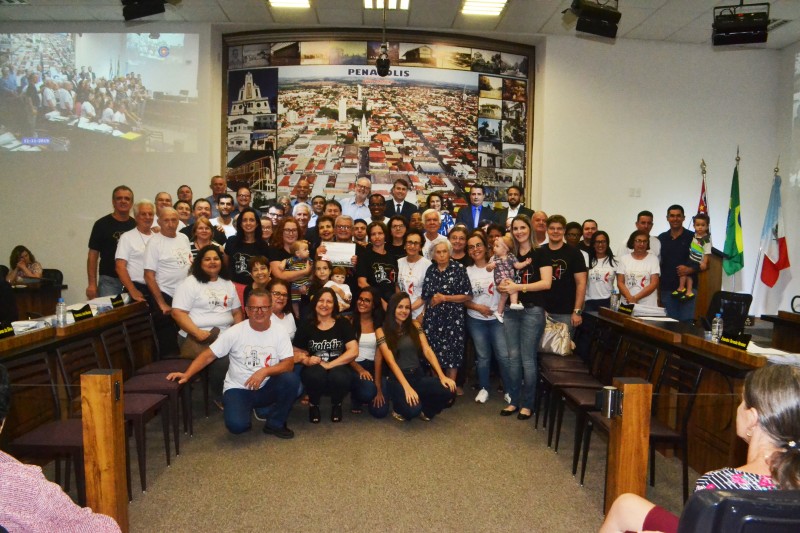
(435, 201)
(445, 290)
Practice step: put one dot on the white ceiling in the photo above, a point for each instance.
(522, 21)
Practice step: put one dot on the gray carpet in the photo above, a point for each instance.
(467, 470)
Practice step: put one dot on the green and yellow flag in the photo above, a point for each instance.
(734, 244)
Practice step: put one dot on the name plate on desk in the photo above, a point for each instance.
(117, 301)
(83, 313)
(739, 342)
(626, 309)
(6, 330)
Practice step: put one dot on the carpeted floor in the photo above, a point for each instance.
(467, 470)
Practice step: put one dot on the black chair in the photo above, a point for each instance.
(734, 307)
(55, 276)
(4, 270)
(742, 511)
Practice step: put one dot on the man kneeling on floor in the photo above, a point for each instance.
(260, 371)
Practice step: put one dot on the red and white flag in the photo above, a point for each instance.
(702, 206)
(773, 238)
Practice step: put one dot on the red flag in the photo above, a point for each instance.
(773, 238)
(702, 206)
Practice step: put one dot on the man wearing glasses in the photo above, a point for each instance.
(260, 371)
(357, 206)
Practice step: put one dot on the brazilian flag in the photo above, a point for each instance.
(734, 244)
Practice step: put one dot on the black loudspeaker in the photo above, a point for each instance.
(136, 9)
(740, 28)
(597, 19)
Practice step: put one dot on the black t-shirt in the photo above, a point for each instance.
(532, 274)
(566, 261)
(328, 344)
(674, 252)
(397, 251)
(239, 255)
(105, 235)
(380, 270)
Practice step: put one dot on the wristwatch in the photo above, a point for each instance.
(578, 312)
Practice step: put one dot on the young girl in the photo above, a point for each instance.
(504, 262)
(342, 289)
(699, 251)
(298, 261)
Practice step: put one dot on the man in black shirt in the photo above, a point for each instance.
(675, 245)
(564, 300)
(103, 245)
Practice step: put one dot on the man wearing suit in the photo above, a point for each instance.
(398, 205)
(473, 214)
(514, 196)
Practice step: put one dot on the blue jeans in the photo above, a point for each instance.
(363, 391)
(583, 335)
(433, 396)
(488, 336)
(683, 311)
(523, 329)
(280, 393)
(109, 286)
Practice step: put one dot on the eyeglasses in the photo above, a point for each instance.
(601, 242)
(555, 229)
(289, 230)
(398, 226)
(243, 195)
(278, 294)
(413, 243)
(343, 226)
(475, 246)
(364, 301)
(640, 241)
(259, 308)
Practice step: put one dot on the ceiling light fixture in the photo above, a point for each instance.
(491, 8)
(292, 4)
(742, 24)
(389, 4)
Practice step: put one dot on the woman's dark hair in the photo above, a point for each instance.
(572, 225)
(277, 233)
(377, 310)
(382, 226)
(240, 231)
(287, 308)
(774, 392)
(316, 284)
(255, 260)
(479, 234)
(416, 232)
(593, 254)
(497, 227)
(397, 218)
(392, 330)
(18, 251)
(196, 269)
(434, 195)
(638, 233)
(312, 316)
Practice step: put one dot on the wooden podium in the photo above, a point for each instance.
(708, 283)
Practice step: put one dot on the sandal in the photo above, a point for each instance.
(336, 413)
(314, 415)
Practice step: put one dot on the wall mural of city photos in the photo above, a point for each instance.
(444, 118)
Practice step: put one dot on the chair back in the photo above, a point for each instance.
(742, 511)
(74, 359)
(142, 341)
(604, 351)
(55, 276)
(4, 270)
(117, 350)
(734, 307)
(638, 360)
(682, 377)
(34, 400)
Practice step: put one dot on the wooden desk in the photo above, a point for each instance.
(37, 298)
(786, 330)
(712, 427)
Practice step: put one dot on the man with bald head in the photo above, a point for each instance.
(303, 192)
(357, 206)
(163, 199)
(167, 257)
(219, 186)
(539, 223)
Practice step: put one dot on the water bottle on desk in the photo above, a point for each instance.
(614, 299)
(716, 328)
(61, 313)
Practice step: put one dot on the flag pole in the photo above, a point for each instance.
(737, 172)
(760, 243)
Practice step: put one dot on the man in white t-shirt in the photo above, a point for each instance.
(167, 257)
(224, 222)
(260, 373)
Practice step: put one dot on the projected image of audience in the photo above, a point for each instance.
(134, 92)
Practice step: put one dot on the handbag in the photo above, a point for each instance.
(555, 338)
(191, 347)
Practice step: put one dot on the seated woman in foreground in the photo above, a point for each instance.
(402, 342)
(22, 265)
(768, 420)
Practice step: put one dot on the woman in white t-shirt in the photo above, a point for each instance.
(281, 307)
(369, 376)
(602, 273)
(206, 299)
(639, 272)
(411, 271)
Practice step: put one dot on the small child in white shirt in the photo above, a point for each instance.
(342, 290)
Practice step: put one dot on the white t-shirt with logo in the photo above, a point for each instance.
(131, 247)
(249, 350)
(169, 258)
(637, 274)
(410, 278)
(208, 304)
(602, 279)
(483, 291)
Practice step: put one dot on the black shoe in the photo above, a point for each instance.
(508, 412)
(314, 414)
(336, 413)
(282, 432)
(523, 416)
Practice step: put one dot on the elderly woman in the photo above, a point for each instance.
(484, 328)
(202, 235)
(445, 290)
(431, 220)
(23, 265)
(244, 245)
(130, 251)
(302, 213)
(326, 346)
(523, 328)
(458, 241)
(638, 272)
(411, 271)
(435, 201)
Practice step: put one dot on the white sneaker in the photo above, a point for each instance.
(482, 396)
(507, 398)
(517, 306)
(498, 316)
(257, 417)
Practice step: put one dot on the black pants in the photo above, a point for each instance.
(335, 382)
(433, 396)
(166, 328)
